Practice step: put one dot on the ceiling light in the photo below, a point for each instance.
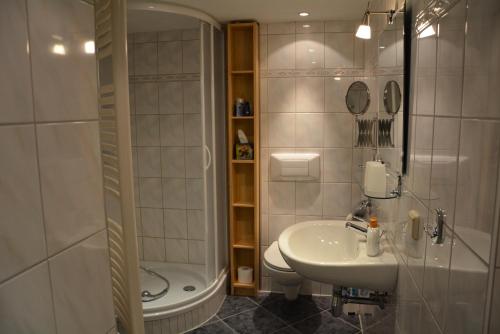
(381, 47)
(89, 47)
(364, 31)
(310, 50)
(336, 78)
(303, 14)
(59, 49)
(429, 31)
(306, 26)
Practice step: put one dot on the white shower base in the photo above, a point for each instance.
(180, 310)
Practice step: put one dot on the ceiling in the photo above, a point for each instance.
(144, 21)
(265, 11)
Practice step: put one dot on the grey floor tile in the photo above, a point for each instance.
(255, 321)
(293, 311)
(324, 323)
(217, 327)
(233, 305)
(267, 297)
(385, 326)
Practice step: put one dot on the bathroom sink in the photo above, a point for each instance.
(326, 251)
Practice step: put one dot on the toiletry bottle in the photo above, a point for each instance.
(373, 238)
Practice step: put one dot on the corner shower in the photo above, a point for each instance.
(177, 113)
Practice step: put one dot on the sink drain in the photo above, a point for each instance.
(189, 288)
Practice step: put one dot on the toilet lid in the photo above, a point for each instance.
(274, 259)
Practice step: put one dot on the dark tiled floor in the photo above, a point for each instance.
(271, 313)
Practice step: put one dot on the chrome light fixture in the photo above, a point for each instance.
(364, 30)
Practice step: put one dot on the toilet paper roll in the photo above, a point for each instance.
(245, 274)
(375, 179)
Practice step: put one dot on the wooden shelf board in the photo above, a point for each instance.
(243, 245)
(244, 205)
(243, 161)
(242, 72)
(237, 284)
(242, 117)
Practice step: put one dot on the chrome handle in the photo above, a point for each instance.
(209, 155)
(437, 233)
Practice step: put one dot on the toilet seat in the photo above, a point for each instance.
(274, 259)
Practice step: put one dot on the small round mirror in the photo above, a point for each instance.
(392, 97)
(357, 98)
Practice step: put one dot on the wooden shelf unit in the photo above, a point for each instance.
(244, 216)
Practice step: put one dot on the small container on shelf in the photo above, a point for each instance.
(244, 152)
(242, 108)
(245, 274)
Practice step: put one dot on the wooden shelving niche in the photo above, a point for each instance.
(243, 171)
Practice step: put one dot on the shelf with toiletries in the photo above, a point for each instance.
(380, 181)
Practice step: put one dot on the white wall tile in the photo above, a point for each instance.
(190, 34)
(387, 49)
(341, 26)
(337, 165)
(150, 192)
(149, 161)
(173, 162)
(281, 28)
(281, 130)
(192, 130)
(196, 224)
(192, 97)
(23, 242)
(263, 52)
(171, 130)
(310, 51)
(339, 50)
(196, 251)
(170, 35)
(148, 130)
(278, 223)
(152, 222)
(81, 283)
(336, 199)
(154, 249)
(146, 58)
(282, 197)
(309, 130)
(15, 82)
(281, 51)
(170, 57)
(146, 98)
(308, 198)
(69, 160)
(175, 221)
(176, 250)
(174, 193)
(310, 95)
(64, 85)
(335, 92)
(145, 37)
(191, 56)
(194, 162)
(305, 27)
(23, 314)
(338, 129)
(170, 97)
(281, 95)
(194, 194)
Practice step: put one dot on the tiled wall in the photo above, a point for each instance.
(53, 248)
(455, 152)
(305, 74)
(164, 69)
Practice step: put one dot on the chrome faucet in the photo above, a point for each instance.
(356, 228)
(437, 234)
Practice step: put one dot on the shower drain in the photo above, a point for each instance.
(189, 288)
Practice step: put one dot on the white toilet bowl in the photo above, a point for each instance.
(281, 273)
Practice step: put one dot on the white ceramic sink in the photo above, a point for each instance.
(327, 252)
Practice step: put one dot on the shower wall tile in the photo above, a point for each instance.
(169, 156)
(23, 242)
(196, 251)
(69, 160)
(15, 82)
(335, 91)
(170, 57)
(154, 249)
(281, 51)
(82, 287)
(145, 37)
(64, 76)
(176, 250)
(339, 50)
(310, 95)
(170, 97)
(176, 225)
(23, 314)
(281, 95)
(146, 58)
(310, 51)
(191, 56)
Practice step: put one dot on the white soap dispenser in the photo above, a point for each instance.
(373, 238)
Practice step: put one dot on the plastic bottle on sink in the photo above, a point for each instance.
(373, 238)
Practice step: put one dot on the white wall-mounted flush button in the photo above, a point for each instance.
(295, 166)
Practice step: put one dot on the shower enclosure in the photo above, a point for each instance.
(176, 89)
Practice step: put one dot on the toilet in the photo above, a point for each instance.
(281, 272)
